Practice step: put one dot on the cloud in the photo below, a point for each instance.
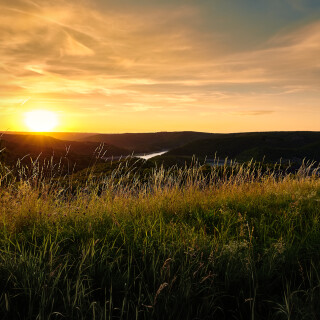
(252, 113)
(152, 58)
(290, 58)
(73, 47)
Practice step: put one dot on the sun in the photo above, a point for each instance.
(41, 120)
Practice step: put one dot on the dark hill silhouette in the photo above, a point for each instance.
(69, 136)
(241, 146)
(31, 146)
(149, 142)
(258, 145)
(41, 142)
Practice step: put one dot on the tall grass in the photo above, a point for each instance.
(198, 242)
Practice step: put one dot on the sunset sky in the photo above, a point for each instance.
(165, 65)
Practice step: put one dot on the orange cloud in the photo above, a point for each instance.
(152, 60)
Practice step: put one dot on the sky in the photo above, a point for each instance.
(166, 65)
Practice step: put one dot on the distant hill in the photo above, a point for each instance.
(150, 142)
(270, 146)
(69, 136)
(18, 146)
(257, 145)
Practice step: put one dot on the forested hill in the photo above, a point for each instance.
(241, 146)
(258, 145)
(150, 142)
(68, 136)
(18, 146)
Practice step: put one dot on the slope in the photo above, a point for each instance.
(257, 145)
(150, 142)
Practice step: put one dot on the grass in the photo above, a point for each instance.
(239, 242)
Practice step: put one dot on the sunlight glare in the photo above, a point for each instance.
(41, 120)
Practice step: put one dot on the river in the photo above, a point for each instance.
(147, 156)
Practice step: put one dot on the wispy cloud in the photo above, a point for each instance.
(252, 113)
(152, 59)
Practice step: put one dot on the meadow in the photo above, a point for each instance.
(238, 241)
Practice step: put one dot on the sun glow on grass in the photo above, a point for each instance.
(41, 120)
(185, 242)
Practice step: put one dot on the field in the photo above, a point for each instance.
(230, 242)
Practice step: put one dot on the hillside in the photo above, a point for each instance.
(69, 136)
(171, 244)
(81, 153)
(150, 142)
(41, 142)
(258, 145)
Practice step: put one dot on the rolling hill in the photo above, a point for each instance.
(270, 146)
(150, 142)
(81, 153)
(69, 136)
(257, 145)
